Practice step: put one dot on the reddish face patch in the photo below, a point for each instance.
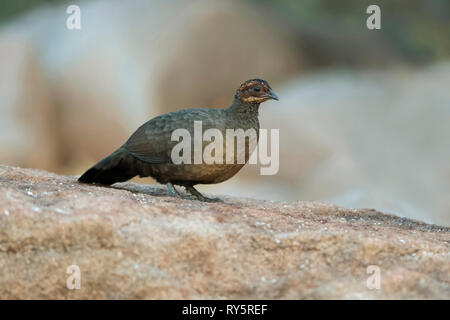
(255, 91)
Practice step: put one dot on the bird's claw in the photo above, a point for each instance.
(201, 197)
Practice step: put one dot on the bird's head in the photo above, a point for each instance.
(255, 91)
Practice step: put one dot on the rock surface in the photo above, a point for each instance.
(135, 241)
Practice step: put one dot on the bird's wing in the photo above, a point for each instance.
(152, 141)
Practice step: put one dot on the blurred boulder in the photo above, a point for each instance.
(27, 129)
(74, 95)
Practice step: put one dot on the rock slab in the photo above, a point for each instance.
(134, 241)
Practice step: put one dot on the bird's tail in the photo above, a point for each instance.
(117, 167)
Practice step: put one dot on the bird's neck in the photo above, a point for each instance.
(244, 109)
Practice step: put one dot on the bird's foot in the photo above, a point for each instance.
(173, 192)
(199, 196)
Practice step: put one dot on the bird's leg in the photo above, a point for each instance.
(172, 191)
(199, 196)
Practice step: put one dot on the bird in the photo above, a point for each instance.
(148, 151)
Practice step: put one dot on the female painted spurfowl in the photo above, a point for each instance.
(149, 150)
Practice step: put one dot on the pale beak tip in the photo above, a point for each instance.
(273, 95)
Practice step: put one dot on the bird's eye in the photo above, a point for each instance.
(257, 89)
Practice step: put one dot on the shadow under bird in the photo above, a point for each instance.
(147, 153)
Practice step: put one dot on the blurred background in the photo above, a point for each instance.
(363, 114)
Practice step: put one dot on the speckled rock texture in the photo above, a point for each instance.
(134, 241)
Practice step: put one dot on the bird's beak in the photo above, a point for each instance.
(271, 95)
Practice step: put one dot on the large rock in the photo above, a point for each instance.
(135, 241)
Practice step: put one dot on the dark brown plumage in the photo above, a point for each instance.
(147, 153)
